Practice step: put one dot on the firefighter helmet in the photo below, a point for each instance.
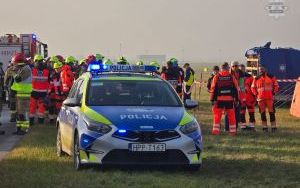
(18, 58)
(99, 57)
(107, 62)
(122, 61)
(38, 58)
(82, 61)
(57, 65)
(70, 60)
(53, 59)
(154, 63)
(139, 63)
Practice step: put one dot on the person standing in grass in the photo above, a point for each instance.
(216, 70)
(223, 94)
(264, 87)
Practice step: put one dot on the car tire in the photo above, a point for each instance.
(59, 151)
(76, 154)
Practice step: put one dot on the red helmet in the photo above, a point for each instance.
(18, 58)
(60, 58)
(90, 58)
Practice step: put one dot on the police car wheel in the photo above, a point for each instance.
(76, 154)
(59, 151)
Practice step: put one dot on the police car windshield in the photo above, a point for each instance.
(131, 93)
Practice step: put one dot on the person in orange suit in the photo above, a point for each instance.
(224, 95)
(264, 87)
(67, 79)
(248, 101)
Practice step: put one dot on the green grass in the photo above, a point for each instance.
(247, 160)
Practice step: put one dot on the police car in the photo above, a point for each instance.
(127, 115)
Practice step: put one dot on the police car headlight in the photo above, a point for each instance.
(96, 126)
(190, 127)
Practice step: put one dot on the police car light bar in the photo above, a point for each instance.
(98, 68)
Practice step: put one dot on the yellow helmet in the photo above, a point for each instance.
(57, 65)
(37, 58)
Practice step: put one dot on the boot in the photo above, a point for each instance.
(51, 121)
(232, 133)
(215, 132)
(19, 131)
(31, 121)
(265, 129)
(41, 120)
(274, 129)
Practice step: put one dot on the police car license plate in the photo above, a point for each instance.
(147, 147)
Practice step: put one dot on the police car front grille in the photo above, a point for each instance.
(169, 157)
(148, 136)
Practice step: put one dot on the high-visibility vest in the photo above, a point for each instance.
(191, 80)
(24, 87)
(40, 80)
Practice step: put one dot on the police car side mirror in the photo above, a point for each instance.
(72, 102)
(190, 104)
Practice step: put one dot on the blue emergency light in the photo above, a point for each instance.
(96, 67)
(34, 36)
(122, 131)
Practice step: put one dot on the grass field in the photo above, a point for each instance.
(247, 160)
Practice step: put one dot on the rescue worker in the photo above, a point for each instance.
(107, 62)
(188, 81)
(163, 73)
(82, 66)
(55, 92)
(180, 71)
(216, 70)
(99, 58)
(247, 101)
(89, 59)
(172, 75)
(122, 61)
(224, 92)
(264, 87)
(239, 76)
(22, 86)
(8, 82)
(67, 79)
(40, 86)
(139, 63)
(157, 65)
(72, 62)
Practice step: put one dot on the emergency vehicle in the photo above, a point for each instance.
(29, 44)
(283, 63)
(127, 115)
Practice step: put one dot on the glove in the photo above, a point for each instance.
(18, 79)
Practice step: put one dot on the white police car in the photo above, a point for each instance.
(126, 115)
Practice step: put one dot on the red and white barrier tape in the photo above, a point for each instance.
(288, 80)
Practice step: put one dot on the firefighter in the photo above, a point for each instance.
(8, 82)
(99, 58)
(224, 93)
(72, 62)
(247, 101)
(139, 63)
(188, 81)
(82, 66)
(67, 79)
(22, 86)
(157, 65)
(122, 61)
(163, 72)
(55, 92)
(40, 86)
(216, 70)
(264, 87)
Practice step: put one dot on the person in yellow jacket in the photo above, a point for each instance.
(188, 81)
(23, 87)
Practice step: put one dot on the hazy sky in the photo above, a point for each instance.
(196, 30)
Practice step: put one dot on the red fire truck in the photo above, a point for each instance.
(29, 44)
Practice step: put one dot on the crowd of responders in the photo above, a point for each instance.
(40, 85)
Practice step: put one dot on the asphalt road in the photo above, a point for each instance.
(7, 141)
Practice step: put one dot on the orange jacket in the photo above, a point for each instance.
(40, 80)
(224, 87)
(264, 87)
(67, 78)
(249, 94)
